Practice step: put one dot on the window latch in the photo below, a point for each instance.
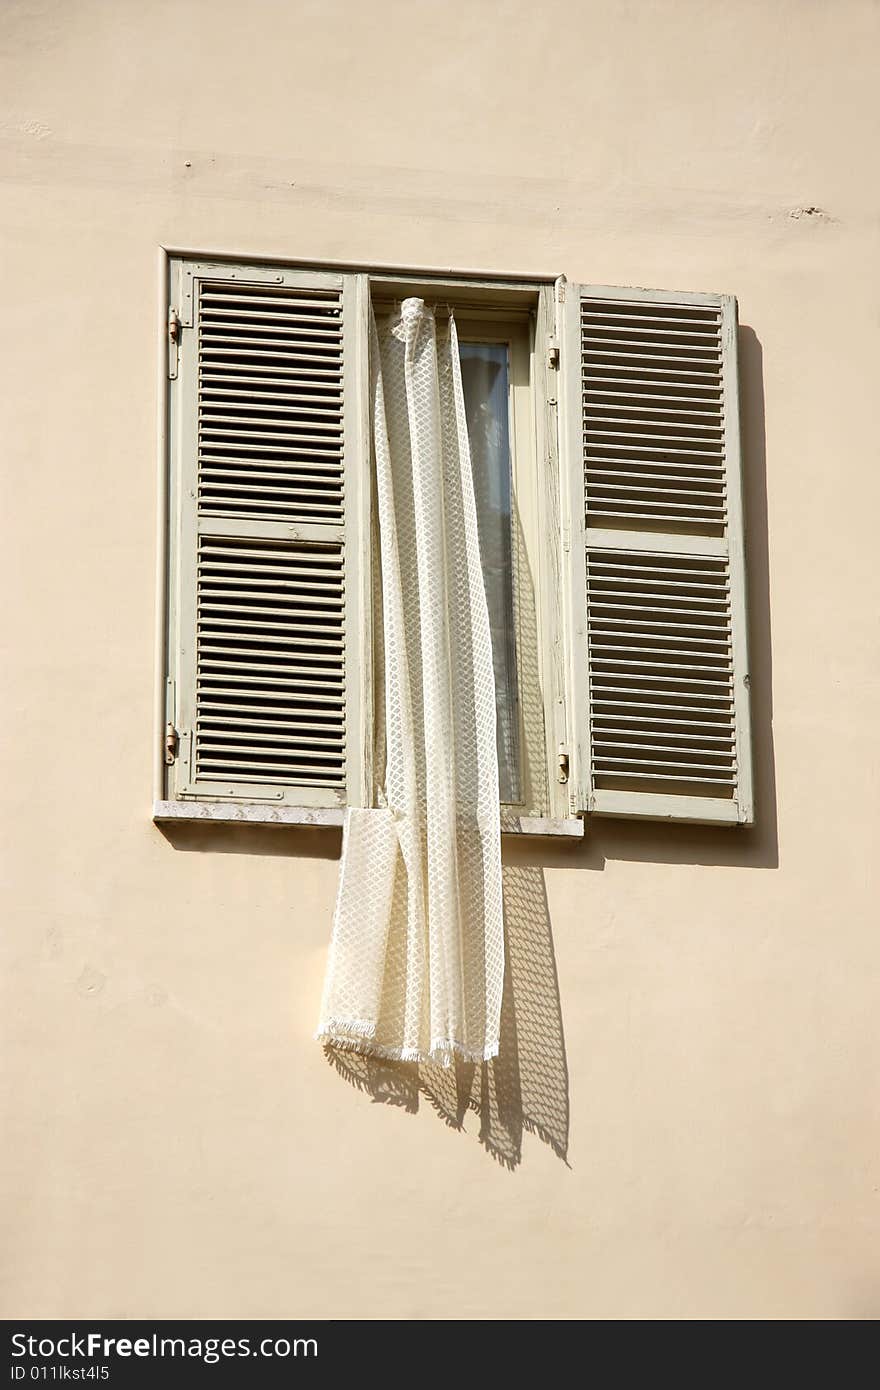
(172, 743)
(174, 334)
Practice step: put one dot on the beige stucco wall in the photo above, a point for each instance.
(173, 1141)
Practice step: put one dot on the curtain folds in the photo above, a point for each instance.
(416, 960)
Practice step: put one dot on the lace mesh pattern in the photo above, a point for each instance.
(416, 963)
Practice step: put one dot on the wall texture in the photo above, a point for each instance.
(174, 1142)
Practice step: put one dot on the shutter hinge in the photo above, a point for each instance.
(553, 351)
(174, 325)
(172, 743)
(562, 764)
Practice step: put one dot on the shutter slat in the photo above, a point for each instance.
(674, 363)
(284, 592)
(213, 429)
(226, 708)
(608, 306)
(612, 466)
(654, 432)
(248, 348)
(241, 738)
(224, 497)
(252, 726)
(670, 714)
(295, 450)
(620, 480)
(225, 373)
(321, 300)
(329, 422)
(293, 398)
(642, 324)
(623, 403)
(244, 407)
(307, 477)
(287, 578)
(674, 633)
(658, 447)
(673, 736)
(247, 619)
(648, 389)
(656, 777)
(699, 480)
(265, 312)
(625, 515)
(316, 772)
(296, 679)
(610, 693)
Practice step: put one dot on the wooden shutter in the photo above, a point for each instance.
(270, 486)
(659, 666)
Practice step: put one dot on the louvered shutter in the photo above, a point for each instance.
(658, 656)
(272, 477)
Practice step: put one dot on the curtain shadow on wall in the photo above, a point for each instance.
(525, 1088)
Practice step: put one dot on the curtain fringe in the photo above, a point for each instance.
(358, 1035)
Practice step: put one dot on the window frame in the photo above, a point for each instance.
(531, 299)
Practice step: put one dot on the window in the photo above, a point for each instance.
(606, 468)
(486, 379)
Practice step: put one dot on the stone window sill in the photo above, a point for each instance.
(221, 813)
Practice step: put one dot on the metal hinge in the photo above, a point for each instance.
(562, 764)
(553, 351)
(172, 743)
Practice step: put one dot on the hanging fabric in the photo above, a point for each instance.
(416, 961)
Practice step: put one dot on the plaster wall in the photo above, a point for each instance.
(174, 1142)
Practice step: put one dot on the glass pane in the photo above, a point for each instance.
(485, 376)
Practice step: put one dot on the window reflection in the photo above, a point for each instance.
(486, 377)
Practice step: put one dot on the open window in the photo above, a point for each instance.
(604, 439)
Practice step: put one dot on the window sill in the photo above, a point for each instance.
(223, 814)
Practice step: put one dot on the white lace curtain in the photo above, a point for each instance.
(416, 961)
